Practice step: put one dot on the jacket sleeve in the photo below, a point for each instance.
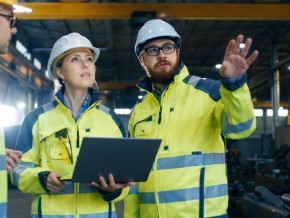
(131, 203)
(238, 119)
(25, 175)
(115, 196)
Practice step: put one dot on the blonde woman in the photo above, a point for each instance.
(51, 137)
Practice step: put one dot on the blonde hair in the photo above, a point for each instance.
(57, 86)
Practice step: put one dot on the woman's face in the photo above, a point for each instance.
(77, 70)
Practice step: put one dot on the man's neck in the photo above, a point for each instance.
(158, 86)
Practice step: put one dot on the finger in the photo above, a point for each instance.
(8, 151)
(130, 184)
(8, 168)
(97, 185)
(53, 188)
(50, 182)
(252, 58)
(19, 154)
(111, 179)
(54, 179)
(103, 182)
(60, 183)
(10, 163)
(120, 186)
(13, 155)
(229, 49)
(238, 41)
(14, 159)
(245, 50)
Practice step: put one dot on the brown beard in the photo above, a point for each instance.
(163, 77)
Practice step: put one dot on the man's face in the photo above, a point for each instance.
(5, 28)
(160, 68)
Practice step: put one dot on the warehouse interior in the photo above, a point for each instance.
(258, 166)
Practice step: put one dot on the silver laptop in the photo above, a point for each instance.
(128, 159)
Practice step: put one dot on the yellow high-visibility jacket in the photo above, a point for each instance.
(3, 177)
(188, 178)
(50, 140)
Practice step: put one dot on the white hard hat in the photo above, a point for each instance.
(155, 29)
(64, 44)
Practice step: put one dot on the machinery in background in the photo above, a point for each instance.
(261, 188)
(263, 203)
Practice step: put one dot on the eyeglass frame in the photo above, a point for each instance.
(11, 18)
(159, 48)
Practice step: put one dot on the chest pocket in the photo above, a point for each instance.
(56, 151)
(144, 127)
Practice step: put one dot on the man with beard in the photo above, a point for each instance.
(190, 114)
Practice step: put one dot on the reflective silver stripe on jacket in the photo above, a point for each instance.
(18, 170)
(3, 209)
(184, 194)
(95, 215)
(190, 160)
(69, 189)
(240, 127)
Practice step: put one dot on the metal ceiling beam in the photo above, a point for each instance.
(196, 11)
(19, 78)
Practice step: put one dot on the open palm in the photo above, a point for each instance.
(236, 62)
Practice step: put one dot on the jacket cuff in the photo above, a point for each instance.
(109, 196)
(42, 176)
(233, 84)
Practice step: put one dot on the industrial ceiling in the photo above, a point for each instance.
(205, 28)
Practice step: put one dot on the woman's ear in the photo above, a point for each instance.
(59, 73)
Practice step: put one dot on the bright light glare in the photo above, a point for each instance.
(21, 105)
(8, 115)
(122, 111)
(269, 112)
(242, 45)
(21, 9)
(281, 112)
(140, 96)
(218, 66)
(258, 112)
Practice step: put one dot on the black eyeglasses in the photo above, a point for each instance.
(154, 50)
(11, 18)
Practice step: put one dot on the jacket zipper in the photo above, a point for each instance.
(78, 136)
(160, 112)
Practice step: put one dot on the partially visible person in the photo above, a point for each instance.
(12, 158)
(190, 114)
(8, 158)
(51, 137)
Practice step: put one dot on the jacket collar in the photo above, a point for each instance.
(94, 98)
